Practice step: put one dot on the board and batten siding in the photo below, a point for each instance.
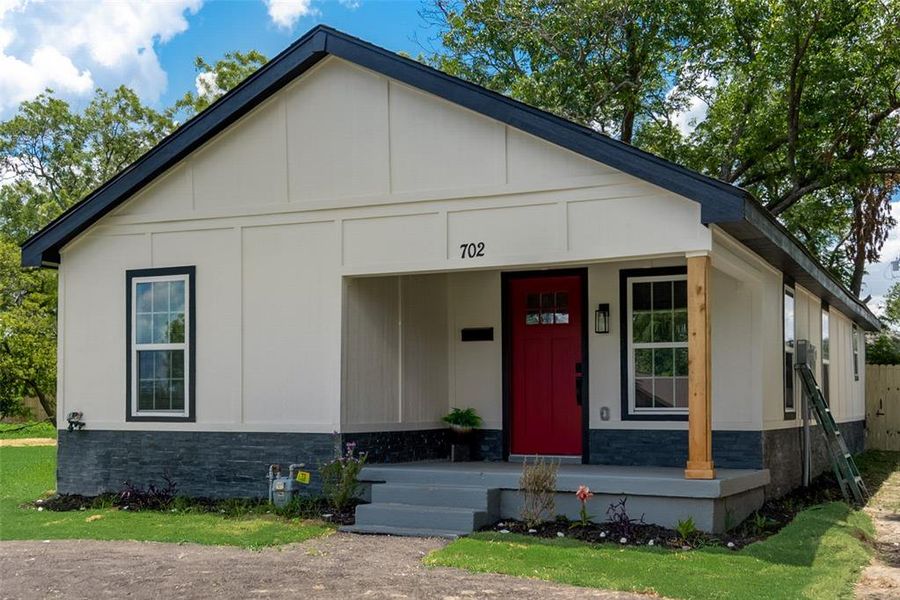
(342, 173)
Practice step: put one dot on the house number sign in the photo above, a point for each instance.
(471, 249)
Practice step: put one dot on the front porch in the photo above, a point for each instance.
(450, 499)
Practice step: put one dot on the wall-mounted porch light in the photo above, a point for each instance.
(601, 319)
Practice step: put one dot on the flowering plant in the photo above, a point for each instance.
(340, 482)
(584, 494)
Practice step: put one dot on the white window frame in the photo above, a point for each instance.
(631, 346)
(185, 346)
(790, 413)
(825, 352)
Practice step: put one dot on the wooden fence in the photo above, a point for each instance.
(883, 407)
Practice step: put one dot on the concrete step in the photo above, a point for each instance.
(403, 531)
(409, 516)
(478, 498)
(441, 474)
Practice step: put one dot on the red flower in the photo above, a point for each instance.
(584, 493)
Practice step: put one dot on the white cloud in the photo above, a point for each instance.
(74, 46)
(207, 85)
(285, 13)
(686, 120)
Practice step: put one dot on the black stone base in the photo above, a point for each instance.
(783, 453)
(202, 464)
(401, 446)
(668, 448)
(232, 464)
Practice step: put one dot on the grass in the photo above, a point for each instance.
(27, 473)
(819, 555)
(41, 429)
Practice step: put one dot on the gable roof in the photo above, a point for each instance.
(731, 208)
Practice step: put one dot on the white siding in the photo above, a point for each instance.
(395, 361)
(345, 175)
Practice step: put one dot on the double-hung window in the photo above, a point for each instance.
(657, 344)
(826, 353)
(790, 405)
(160, 344)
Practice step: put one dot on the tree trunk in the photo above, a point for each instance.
(48, 403)
(859, 244)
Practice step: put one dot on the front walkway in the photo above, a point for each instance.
(339, 566)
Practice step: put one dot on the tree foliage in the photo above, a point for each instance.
(606, 63)
(214, 80)
(803, 96)
(52, 156)
(883, 349)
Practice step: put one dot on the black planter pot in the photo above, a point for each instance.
(461, 441)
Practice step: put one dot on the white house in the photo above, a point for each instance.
(353, 242)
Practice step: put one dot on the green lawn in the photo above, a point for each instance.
(819, 555)
(27, 473)
(27, 430)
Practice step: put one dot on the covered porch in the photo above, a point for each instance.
(454, 498)
(417, 345)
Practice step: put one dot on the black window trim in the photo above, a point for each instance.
(191, 273)
(624, 276)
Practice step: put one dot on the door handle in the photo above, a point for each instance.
(579, 381)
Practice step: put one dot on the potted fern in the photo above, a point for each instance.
(462, 422)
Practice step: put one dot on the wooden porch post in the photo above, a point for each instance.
(699, 463)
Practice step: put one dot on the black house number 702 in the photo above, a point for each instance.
(471, 250)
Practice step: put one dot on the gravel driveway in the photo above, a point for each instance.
(340, 566)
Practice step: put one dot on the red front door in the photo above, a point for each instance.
(546, 362)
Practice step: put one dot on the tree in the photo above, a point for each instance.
(883, 349)
(606, 63)
(51, 157)
(214, 80)
(891, 314)
(27, 333)
(803, 95)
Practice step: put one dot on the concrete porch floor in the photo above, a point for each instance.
(413, 497)
(607, 479)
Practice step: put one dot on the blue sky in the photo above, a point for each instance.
(225, 25)
(75, 46)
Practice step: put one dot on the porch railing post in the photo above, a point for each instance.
(699, 463)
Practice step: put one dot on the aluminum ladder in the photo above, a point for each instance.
(845, 469)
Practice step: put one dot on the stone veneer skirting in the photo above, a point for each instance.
(668, 448)
(779, 450)
(218, 464)
(234, 464)
(783, 452)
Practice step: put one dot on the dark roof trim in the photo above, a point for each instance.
(720, 202)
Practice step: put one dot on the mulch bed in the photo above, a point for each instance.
(312, 509)
(623, 528)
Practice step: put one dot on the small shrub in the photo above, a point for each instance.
(134, 497)
(618, 516)
(761, 523)
(302, 507)
(686, 529)
(463, 417)
(538, 488)
(340, 478)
